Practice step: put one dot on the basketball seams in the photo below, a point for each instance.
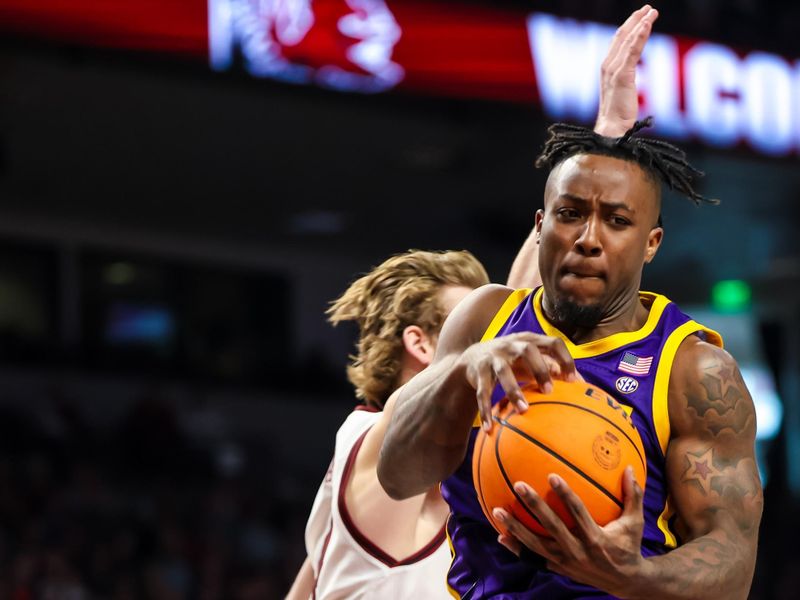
(556, 455)
(597, 414)
(493, 479)
(502, 425)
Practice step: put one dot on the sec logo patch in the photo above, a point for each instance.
(627, 385)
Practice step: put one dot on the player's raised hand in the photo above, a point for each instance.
(509, 359)
(619, 98)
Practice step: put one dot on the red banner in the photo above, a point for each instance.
(350, 44)
(694, 88)
(169, 26)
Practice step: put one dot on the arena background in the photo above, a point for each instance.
(171, 234)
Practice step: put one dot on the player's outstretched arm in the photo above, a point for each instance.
(715, 489)
(427, 436)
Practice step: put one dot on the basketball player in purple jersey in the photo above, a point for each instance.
(693, 532)
(361, 574)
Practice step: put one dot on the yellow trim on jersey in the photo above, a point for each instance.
(450, 590)
(670, 541)
(663, 372)
(661, 404)
(514, 299)
(611, 342)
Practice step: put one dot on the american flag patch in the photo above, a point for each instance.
(635, 365)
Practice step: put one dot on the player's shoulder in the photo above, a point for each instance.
(357, 422)
(695, 356)
(706, 386)
(470, 319)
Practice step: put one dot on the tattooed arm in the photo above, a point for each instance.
(713, 483)
(712, 477)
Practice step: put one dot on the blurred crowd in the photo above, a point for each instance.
(138, 511)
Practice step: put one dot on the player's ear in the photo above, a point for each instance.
(538, 225)
(418, 344)
(653, 244)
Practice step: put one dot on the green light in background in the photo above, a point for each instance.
(119, 273)
(731, 295)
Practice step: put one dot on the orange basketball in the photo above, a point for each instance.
(578, 432)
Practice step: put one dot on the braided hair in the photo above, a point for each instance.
(659, 159)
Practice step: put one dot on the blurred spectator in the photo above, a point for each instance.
(135, 512)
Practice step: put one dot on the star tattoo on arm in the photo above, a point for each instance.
(701, 469)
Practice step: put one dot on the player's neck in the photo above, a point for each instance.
(408, 369)
(629, 314)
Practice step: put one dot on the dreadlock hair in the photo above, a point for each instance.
(659, 159)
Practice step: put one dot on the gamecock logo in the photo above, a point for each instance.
(343, 44)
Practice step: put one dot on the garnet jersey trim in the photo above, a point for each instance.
(368, 545)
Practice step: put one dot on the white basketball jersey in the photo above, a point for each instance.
(348, 565)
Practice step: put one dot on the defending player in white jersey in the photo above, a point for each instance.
(360, 542)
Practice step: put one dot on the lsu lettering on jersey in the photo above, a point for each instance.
(633, 367)
(346, 564)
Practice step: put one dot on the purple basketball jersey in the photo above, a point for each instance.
(633, 367)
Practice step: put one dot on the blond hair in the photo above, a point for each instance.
(399, 292)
